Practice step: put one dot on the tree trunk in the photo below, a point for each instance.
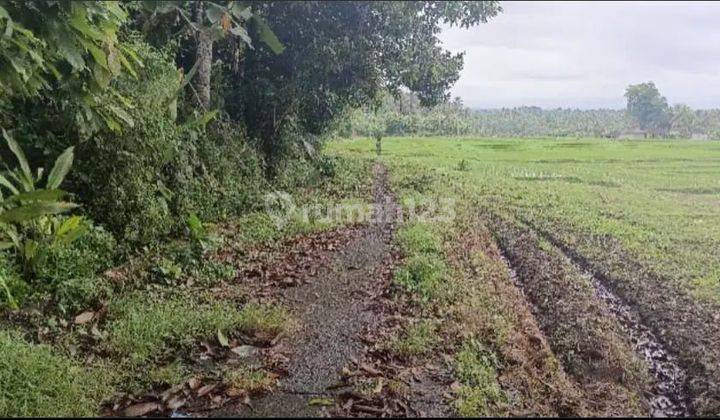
(203, 55)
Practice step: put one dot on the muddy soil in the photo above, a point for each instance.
(498, 313)
(686, 328)
(593, 346)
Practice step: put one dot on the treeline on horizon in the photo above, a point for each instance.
(403, 116)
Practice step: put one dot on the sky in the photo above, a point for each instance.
(584, 55)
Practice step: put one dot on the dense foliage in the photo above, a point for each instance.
(186, 110)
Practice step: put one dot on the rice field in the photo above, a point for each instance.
(629, 227)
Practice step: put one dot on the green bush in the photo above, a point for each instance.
(422, 274)
(480, 391)
(417, 340)
(120, 176)
(425, 269)
(72, 273)
(216, 174)
(419, 238)
(34, 381)
(12, 286)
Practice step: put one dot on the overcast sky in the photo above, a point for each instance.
(583, 55)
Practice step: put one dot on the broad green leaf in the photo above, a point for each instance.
(7, 184)
(127, 65)
(34, 210)
(268, 36)
(61, 168)
(37, 195)
(21, 180)
(98, 54)
(71, 229)
(79, 21)
(69, 224)
(70, 52)
(11, 301)
(4, 13)
(17, 151)
(120, 113)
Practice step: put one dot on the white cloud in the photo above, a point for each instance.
(567, 54)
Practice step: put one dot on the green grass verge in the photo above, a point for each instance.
(37, 381)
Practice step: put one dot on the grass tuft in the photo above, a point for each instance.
(480, 391)
(142, 329)
(35, 381)
(417, 340)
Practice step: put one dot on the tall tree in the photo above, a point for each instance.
(648, 108)
(343, 54)
(684, 120)
(207, 22)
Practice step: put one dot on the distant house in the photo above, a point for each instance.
(699, 136)
(633, 134)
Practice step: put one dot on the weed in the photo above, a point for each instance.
(169, 374)
(480, 391)
(249, 381)
(422, 274)
(419, 238)
(417, 340)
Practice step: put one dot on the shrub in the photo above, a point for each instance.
(419, 238)
(216, 174)
(34, 381)
(425, 268)
(417, 340)
(120, 176)
(72, 273)
(422, 274)
(12, 286)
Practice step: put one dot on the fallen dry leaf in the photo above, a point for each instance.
(138, 410)
(235, 392)
(84, 317)
(205, 390)
(369, 369)
(243, 351)
(193, 383)
(176, 402)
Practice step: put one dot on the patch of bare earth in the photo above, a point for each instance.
(495, 310)
(330, 283)
(594, 348)
(688, 330)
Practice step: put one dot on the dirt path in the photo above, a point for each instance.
(331, 308)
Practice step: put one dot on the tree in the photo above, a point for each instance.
(683, 120)
(648, 108)
(207, 22)
(343, 54)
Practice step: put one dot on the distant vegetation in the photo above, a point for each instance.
(648, 114)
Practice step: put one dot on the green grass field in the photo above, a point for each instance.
(659, 199)
(576, 221)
